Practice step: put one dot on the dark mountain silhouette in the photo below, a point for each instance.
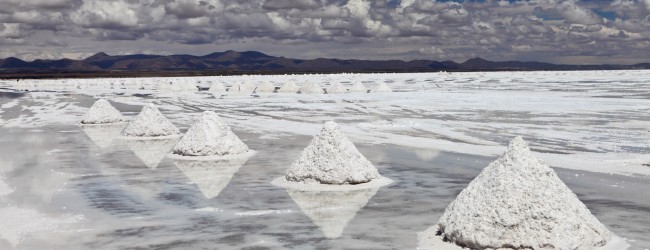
(252, 61)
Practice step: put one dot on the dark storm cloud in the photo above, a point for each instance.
(551, 30)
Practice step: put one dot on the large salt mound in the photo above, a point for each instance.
(102, 112)
(210, 137)
(331, 158)
(289, 87)
(519, 202)
(265, 87)
(382, 87)
(311, 88)
(358, 88)
(150, 123)
(336, 88)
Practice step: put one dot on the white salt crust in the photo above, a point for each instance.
(336, 88)
(150, 123)
(358, 87)
(519, 202)
(331, 158)
(265, 87)
(317, 187)
(102, 112)
(289, 87)
(382, 87)
(311, 88)
(210, 137)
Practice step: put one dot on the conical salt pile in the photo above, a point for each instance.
(265, 87)
(217, 89)
(210, 137)
(211, 177)
(247, 88)
(331, 158)
(519, 202)
(311, 88)
(150, 123)
(289, 87)
(331, 211)
(358, 88)
(336, 88)
(102, 112)
(382, 87)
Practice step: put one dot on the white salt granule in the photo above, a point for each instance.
(331, 158)
(289, 87)
(358, 88)
(102, 112)
(265, 87)
(210, 137)
(382, 87)
(311, 88)
(150, 123)
(336, 88)
(518, 202)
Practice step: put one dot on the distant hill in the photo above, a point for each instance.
(257, 62)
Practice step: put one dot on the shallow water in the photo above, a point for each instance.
(140, 200)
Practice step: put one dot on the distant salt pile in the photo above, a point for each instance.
(331, 158)
(102, 112)
(265, 87)
(210, 137)
(247, 87)
(358, 87)
(289, 87)
(382, 87)
(311, 88)
(240, 89)
(150, 123)
(217, 89)
(175, 87)
(336, 88)
(519, 202)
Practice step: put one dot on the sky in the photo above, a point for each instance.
(556, 31)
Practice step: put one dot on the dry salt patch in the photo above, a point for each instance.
(336, 88)
(382, 87)
(21, 223)
(102, 112)
(211, 177)
(518, 202)
(289, 87)
(311, 88)
(210, 139)
(265, 87)
(331, 162)
(358, 87)
(150, 124)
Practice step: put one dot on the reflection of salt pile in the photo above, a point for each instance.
(332, 210)
(150, 123)
(382, 87)
(210, 137)
(217, 89)
(102, 112)
(211, 177)
(518, 202)
(265, 87)
(358, 88)
(336, 88)
(331, 158)
(311, 88)
(288, 87)
(151, 152)
(103, 136)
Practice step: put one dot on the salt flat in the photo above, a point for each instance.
(431, 136)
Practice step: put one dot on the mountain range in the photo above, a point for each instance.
(233, 62)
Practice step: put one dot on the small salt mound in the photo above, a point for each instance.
(240, 89)
(336, 88)
(519, 202)
(331, 158)
(211, 177)
(150, 123)
(210, 137)
(289, 87)
(358, 87)
(102, 112)
(265, 87)
(382, 87)
(311, 88)
(217, 89)
(247, 88)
